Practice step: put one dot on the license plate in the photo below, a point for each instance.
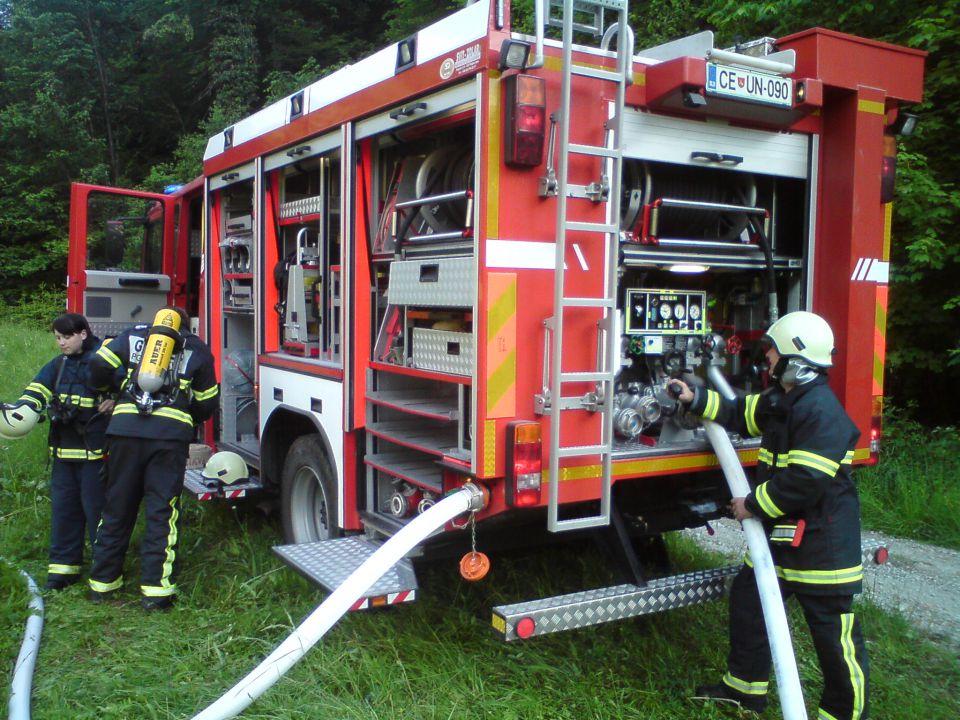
(743, 84)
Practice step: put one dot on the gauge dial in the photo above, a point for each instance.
(694, 312)
(679, 311)
(665, 311)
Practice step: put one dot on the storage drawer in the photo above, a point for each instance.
(441, 282)
(442, 351)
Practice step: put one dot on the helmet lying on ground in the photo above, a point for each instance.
(227, 467)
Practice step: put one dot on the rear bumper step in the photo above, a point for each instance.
(205, 489)
(329, 563)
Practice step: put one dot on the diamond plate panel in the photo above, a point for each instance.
(592, 607)
(329, 562)
(443, 351)
(444, 282)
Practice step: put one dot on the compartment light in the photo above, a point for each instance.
(689, 268)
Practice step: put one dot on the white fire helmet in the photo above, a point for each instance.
(804, 335)
(17, 420)
(227, 467)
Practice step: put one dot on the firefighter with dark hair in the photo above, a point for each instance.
(805, 497)
(76, 437)
(168, 388)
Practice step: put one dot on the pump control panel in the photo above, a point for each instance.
(665, 312)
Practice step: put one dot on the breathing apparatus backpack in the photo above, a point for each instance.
(154, 382)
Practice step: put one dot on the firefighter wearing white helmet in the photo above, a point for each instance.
(226, 467)
(803, 493)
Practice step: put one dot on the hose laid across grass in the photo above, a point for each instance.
(22, 682)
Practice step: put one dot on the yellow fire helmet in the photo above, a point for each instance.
(227, 467)
(805, 335)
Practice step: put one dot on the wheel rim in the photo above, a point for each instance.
(309, 515)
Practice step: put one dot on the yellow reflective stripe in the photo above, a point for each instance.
(765, 502)
(857, 678)
(100, 587)
(744, 686)
(184, 383)
(110, 356)
(713, 405)
(31, 401)
(765, 456)
(822, 577)
(154, 591)
(783, 533)
(824, 715)
(63, 569)
(169, 552)
(750, 415)
(207, 394)
(77, 454)
(86, 402)
(848, 458)
(812, 460)
(40, 389)
(166, 412)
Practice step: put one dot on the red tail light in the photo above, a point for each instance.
(888, 170)
(524, 464)
(525, 121)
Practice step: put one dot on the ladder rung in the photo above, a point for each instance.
(595, 150)
(593, 376)
(593, 227)
(599, 74)
(588, 302)
(580, 450)
(581, 523)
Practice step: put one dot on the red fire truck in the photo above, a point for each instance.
(480, 256)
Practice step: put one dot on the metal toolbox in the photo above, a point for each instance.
(442, 351)
(438, 282)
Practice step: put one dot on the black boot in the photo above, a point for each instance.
(725, 693)
(59, 582)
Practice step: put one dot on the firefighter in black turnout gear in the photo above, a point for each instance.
(77, 424)
(168, 387)
(805, 497)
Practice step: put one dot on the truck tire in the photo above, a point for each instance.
(309, 496)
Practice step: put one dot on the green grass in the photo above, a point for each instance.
(435, 659)
(914, 491)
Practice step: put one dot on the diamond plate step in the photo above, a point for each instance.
(329, 562)
(592, 607)
(205, 489)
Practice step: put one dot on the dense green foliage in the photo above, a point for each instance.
(127, 91)
(432, 660)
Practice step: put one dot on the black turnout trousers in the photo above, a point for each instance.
(151, 471)
(837, 638)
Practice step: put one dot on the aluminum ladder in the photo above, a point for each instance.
(576, 15)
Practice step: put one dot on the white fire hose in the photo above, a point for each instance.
(466, 499)
(774, 613)
(19, 704)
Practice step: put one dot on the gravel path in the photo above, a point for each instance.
(922, 582)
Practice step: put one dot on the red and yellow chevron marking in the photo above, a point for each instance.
(489, 448)
(501, 345)
(880, 316)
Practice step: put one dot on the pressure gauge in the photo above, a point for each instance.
(665, 311)
(694, 312)
(679, 311)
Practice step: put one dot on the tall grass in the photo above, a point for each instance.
(435, 659)
(914, 491)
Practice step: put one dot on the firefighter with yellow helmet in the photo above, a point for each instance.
(168, 387)
(76, 438)
(804, 494)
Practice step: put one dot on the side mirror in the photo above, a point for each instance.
(113, 243)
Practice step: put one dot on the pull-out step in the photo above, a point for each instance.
(523, 620)
(207, 489)
(533, 618)
(329, 562)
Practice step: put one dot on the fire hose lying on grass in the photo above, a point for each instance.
(19, 704)
(469, 498)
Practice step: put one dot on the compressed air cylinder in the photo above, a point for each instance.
(157, 352)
